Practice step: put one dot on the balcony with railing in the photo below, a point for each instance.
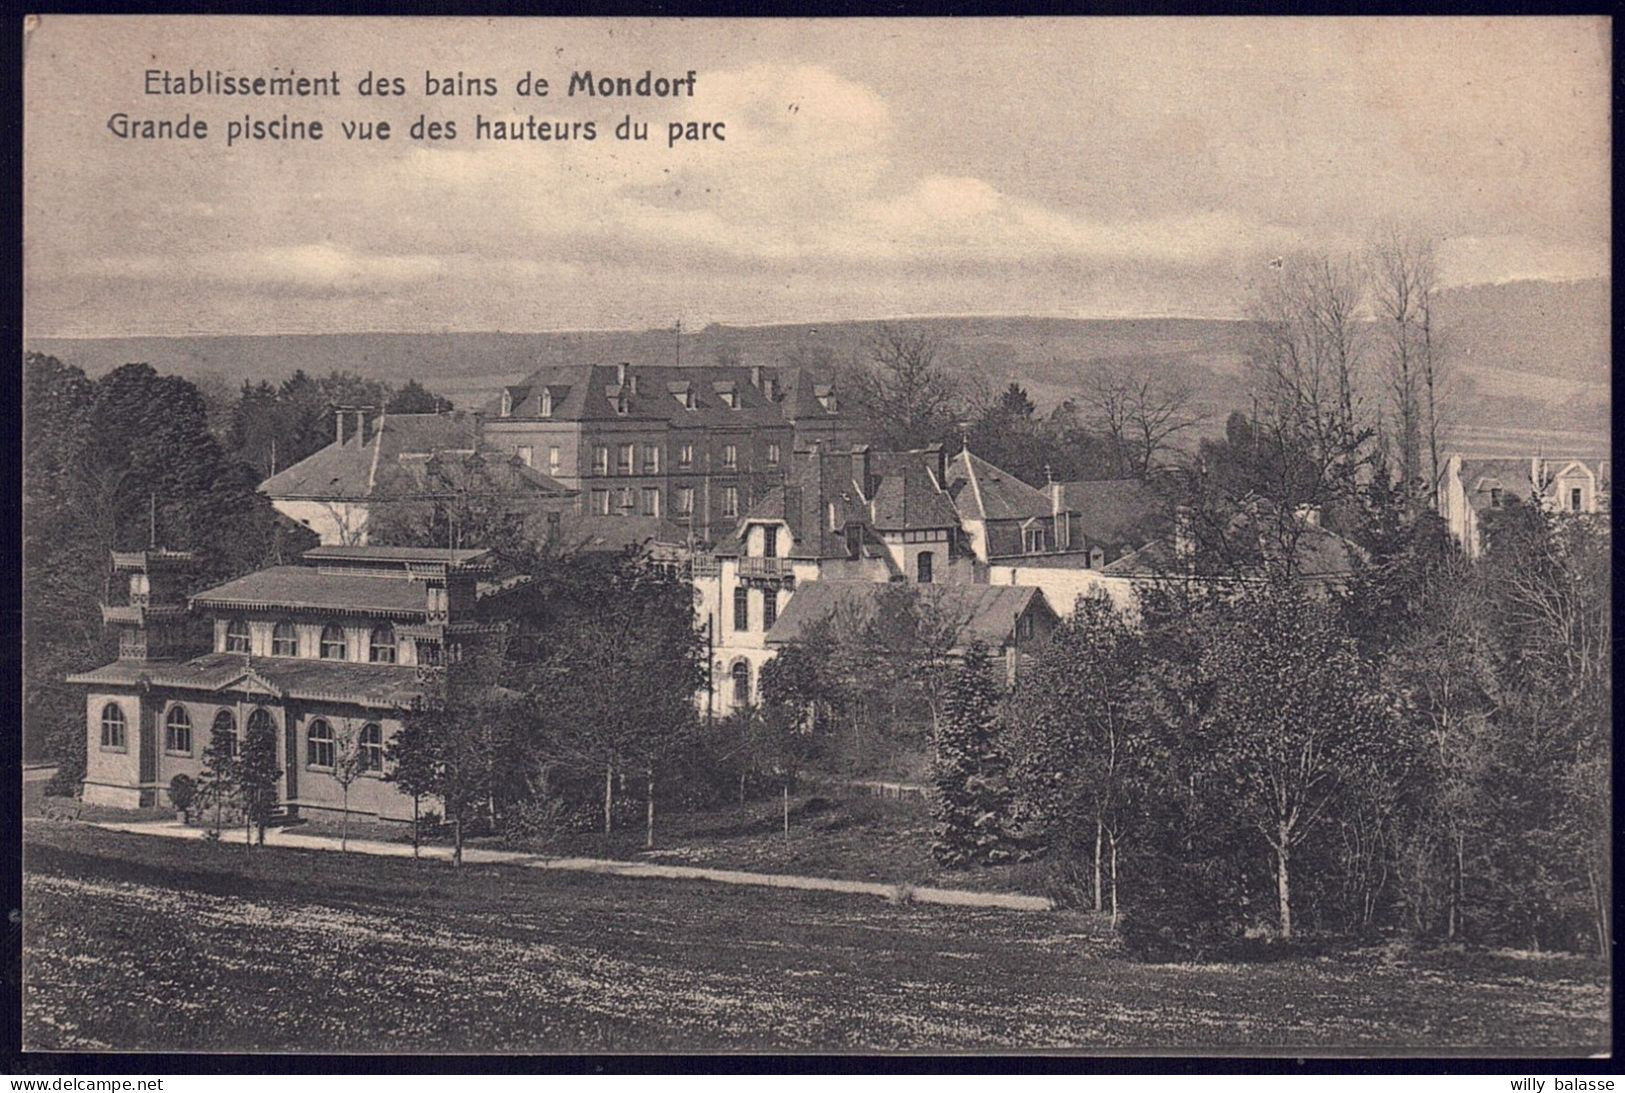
(763, 568)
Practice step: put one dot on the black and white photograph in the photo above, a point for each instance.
(824, 536)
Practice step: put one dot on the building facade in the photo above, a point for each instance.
(872, 518)
(1470, 487)
(331, 654)
(695, 445)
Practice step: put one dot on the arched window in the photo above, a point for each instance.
(113, 726)
(178, 731)
(259, 723)
(333, 642)
(225, 727)
(237, 636)
(381, 650)
(319, 745)
(372, 747)
(284, 640)
(741, 678)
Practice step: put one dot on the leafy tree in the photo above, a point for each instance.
(1074, 720)
(1293, 704)
(414, 398)
(972, 802)
(349, 764)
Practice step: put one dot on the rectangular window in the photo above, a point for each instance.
(651, 502)
(922, 565)
(741, 608)
(624, 500)
(770, 542)
(730, 455)
(600, 460)
(527, 455)
(1574, 499)
(685, 455)
(600, 502)
(1495, 497)
(770, 608)
(553, 459)
(651, 459)
(1034, 540)
(730, 500)
(854, 540)
(772, 455)
(624, 464)
(685, 500)
(428, 653)
(1024, 627)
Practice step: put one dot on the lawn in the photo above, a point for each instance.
(140, 943)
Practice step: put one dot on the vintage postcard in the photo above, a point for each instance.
(595, 536)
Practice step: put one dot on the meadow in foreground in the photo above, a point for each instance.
(140, 943)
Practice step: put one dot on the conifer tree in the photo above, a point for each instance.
(972, 798)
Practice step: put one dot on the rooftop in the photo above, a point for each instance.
(305, 587)
(981, 612)
(684, 396)
(387, 685)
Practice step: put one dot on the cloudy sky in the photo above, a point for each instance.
(871, 168)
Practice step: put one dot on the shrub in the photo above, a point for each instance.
(182, 792)
(69, 777)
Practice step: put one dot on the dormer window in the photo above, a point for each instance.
(770, 541)
(1495, 497)
(546, 403)
(237, 636)
(623, 405)
(1032, 540)
(689, 401)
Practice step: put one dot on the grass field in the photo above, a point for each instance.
(139, 943)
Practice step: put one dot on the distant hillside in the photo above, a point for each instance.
(1532, 358)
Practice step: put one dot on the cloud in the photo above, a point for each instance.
(309, 267)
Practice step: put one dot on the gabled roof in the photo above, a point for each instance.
(382, 685)
(982, 491)
(907, 495)
(983, 612)
(304, 587)
(814, 480)
(1112, 511)
(349, 471)
(1321, 554)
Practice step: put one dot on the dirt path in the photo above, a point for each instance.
(896, 893)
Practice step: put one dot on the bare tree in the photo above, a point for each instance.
(349, 764)
(1404, 281)
(1306, 385)
(1141, 409)
(904, 393)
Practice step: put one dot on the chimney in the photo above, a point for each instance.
(937, 461)
(622, 372)
(756, 376)
(338, 425)
(860, 468)
(1063, 522)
